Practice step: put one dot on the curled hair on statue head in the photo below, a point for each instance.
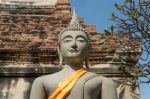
(74, 26)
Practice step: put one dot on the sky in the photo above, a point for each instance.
(98, 12)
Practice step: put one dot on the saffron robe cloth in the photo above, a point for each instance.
(65, 86)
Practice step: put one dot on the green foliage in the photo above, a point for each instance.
(107, 32)
(138, 73)
(135, 20)
(141, 74)
(128, 1)
(121, 81)
(134, 13)
(113, 16)
(112, 28)
(119, 7)
(110, 31)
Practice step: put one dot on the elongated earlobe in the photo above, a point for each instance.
(87, 62)
(87, 59)
(60, 57)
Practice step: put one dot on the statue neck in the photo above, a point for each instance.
(73, 67)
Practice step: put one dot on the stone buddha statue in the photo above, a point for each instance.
(74, 81)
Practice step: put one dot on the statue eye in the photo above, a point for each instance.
(67, 40)
(81, 40)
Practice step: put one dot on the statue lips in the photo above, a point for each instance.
(74, 51)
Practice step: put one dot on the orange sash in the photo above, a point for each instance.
(65, 86)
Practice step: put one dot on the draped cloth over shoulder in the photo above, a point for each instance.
(64, 87)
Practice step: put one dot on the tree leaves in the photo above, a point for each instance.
(110, 31)
(119, 7)
(113, 16)
(128, 1)
(135, 20)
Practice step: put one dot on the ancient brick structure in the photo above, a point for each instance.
(28, 41)
(29, 34)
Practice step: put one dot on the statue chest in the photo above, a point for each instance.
(87, 87)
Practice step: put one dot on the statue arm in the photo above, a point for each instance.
(108, 89)
(37, 90)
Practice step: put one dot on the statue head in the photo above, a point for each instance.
(74, 43)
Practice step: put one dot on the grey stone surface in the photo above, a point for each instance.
(27, 6)
(15, 87)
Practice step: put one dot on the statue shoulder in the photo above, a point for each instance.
(98, 78)
(43, 78)
(38, 80)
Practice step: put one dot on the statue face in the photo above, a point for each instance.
(74, 46)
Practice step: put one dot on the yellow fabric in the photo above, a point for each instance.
(64, 87)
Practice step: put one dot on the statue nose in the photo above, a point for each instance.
(74, 45)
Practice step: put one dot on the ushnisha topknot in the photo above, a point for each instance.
(74, 26)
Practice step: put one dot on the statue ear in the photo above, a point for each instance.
(60, 57)
(87, 62)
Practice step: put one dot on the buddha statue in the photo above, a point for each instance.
(74, 81)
